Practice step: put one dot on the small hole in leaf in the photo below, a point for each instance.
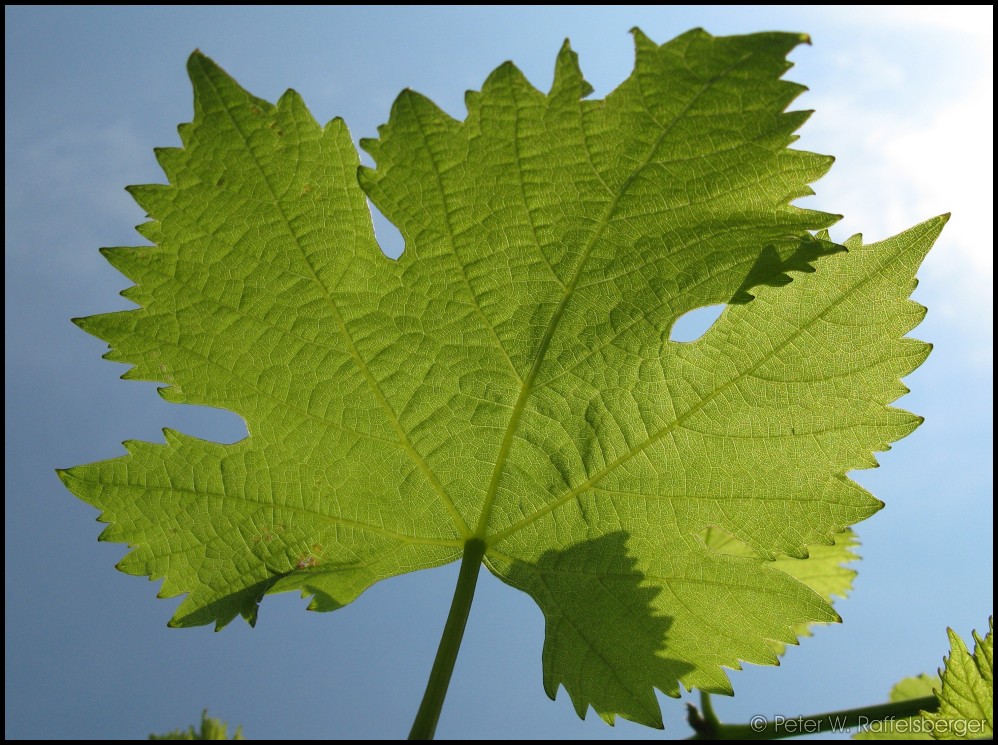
(694, 324)
(389, 238)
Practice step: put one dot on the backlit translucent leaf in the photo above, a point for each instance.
(907, 728)
(511, 376)
(966, 696)
(824, 570)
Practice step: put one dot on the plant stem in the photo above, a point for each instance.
(709, 714)
(709, 728)
(703, 721)
(425, 723)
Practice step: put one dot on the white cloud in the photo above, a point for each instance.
(971, 20)
(918, 138)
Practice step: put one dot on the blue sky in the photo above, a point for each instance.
(903, 98)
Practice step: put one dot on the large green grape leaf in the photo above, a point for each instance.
(511, 377)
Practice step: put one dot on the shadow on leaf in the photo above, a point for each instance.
(772, 267)
(603, 639)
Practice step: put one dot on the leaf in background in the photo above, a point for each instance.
(908, 728)
(511, 376)
(824, 570)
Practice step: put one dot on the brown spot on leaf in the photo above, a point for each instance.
(307, 562)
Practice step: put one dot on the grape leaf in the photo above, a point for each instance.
(966, 696)
(907, 728)
(510, 378)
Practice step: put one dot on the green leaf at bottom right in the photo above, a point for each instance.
(966, 699)
(965, 694)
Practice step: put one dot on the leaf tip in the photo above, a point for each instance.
(567, 73)
(171, 392)
(131, 446)
(550, 689)
(337, 124)
(195, 58)
(606, 716)
(642, 41)
(198, 60)
(366, 177)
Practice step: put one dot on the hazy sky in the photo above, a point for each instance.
(903, 99)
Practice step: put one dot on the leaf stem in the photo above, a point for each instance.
(709, 715)
(425, 723)
(709, 728)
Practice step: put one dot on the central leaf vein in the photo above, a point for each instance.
(527, 387)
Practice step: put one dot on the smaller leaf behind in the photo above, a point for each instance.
(907, 689)
(824, 570)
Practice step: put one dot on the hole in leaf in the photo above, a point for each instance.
(389, 238)
(694, 324)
